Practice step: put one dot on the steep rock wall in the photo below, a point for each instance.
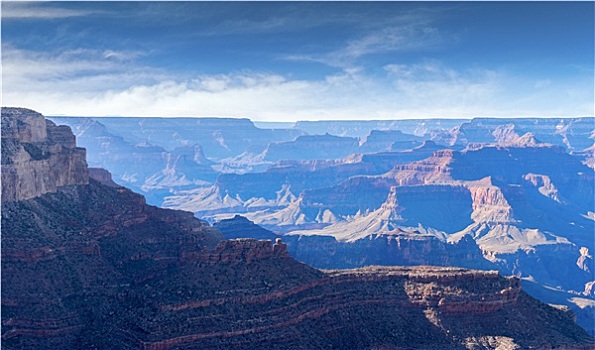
(37, 156)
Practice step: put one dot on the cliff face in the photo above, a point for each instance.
(489, 204)
(37, 156)
(407, 246)
(361, 128)
(91, 266)
(141, 165)
(384, 140)
(335, 183)
(292, 316)
(312, 147)
(219, 137)
(574, 134)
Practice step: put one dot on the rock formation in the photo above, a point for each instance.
(393, 140)
(585, 261)
(310, 147)
(528, 208)
(573, 134)
(38, 156)
(383, 245)
(362, 128)
(103, 176)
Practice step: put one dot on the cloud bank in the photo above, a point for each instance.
(281, 62)
(110, 83)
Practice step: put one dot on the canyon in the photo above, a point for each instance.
(515, 195)
(520, 190)
(87, 263)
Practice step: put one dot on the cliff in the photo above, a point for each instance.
(103, 176)
(361, 128)
(309, 147)
(394, 140)
(322, 181)
(219, 137)
(37, 156)
(571, 133)
(380, 246)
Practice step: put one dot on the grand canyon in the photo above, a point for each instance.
(182, 233)
(297, 175)
(514, 195)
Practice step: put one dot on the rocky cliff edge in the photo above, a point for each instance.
(38, 156)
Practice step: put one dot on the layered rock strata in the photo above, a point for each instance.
(90, 266)
(38, 156)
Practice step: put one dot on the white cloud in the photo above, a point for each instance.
(93, 83)
(397, 38)
(412, 31)
(28, 10)
(392, 39)
(80, 70)
(121, 55)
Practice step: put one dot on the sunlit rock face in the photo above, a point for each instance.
(37, 156)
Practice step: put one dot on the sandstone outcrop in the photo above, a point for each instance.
(489, 204)
(585, 261)
(103, 176)
(245, 251)
(37, 156)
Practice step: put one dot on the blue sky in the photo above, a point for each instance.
(287, 61)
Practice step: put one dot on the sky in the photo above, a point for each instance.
(289, 61)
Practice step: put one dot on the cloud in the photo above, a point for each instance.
(282, 17)
(121, 55)
(413, 31)
(398, 38)
(99, 83)
(27, 10)
(97, 69)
